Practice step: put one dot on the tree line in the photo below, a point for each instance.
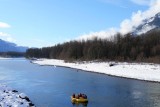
(12, 54)
(145, 47)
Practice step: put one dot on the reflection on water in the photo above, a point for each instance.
(48, 86)
(79, 104)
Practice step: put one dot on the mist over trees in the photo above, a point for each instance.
(145, 47)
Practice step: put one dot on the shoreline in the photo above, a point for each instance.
(138, 71)
(114, 76)
(12, 98)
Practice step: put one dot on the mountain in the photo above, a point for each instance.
(8, 47)
(148, 25)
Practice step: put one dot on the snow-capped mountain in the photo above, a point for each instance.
(8, 46)
(148, 25)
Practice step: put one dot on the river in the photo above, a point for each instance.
(49, 86)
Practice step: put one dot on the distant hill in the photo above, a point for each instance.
(11, 47)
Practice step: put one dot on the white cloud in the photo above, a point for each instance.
(128, 25)
(4, 25)
(10, 39)
(2, 34)
(101, 34)
(6, 37)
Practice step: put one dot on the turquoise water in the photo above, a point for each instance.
(48, 86)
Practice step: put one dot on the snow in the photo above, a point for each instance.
(1, 58)
(11, 98)
(150, 20)
(22, 95)
(145, 29)
(141, 71)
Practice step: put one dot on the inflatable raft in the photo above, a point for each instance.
(79, 100)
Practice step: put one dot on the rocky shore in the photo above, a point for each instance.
(12, 98)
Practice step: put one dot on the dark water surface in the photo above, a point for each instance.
(48, 86)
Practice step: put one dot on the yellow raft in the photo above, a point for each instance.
(79, 100)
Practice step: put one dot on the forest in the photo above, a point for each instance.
(142, 48)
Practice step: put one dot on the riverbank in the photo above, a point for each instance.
(140, 71)
(11, 98)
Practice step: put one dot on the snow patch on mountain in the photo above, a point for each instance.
(145, 29)
(148, 25)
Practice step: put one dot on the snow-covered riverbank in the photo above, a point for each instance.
(11, 98)
(141, 71)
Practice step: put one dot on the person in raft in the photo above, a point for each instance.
(79, 95)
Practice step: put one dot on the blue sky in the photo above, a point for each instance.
(39, 23)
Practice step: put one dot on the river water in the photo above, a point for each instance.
(49, 86)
